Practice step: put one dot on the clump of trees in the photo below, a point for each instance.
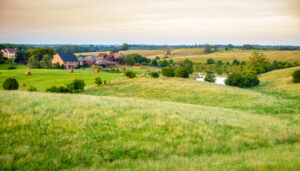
(40, 57)
(135, 59)
(75, 86)
(10, 84)
(296, 76)
(242, 79)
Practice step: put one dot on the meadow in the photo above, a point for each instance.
(149, 124)
(197, 55)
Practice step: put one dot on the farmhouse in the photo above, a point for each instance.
(68, 60)
(9, 52)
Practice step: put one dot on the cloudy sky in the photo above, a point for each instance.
(150, 21)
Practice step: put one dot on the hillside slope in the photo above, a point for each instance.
(279, 82)
(201, 93)
(57, 131)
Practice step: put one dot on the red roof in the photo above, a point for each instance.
(102, 55)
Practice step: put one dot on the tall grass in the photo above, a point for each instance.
(52, 131)
(201, 93)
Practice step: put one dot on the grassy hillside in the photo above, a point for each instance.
(45, 78)
(201, 93)
(279, 82)
(54, 131)
(197, 55)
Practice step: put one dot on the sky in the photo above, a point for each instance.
(266, 22)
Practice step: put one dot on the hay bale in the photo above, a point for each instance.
(143, 75)
(27, 73)
(123, 74)
(22, 84)
(70, 70)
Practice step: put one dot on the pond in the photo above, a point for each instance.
(219, 80)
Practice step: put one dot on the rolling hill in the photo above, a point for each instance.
(57, 131)
(150, 124)
(197, 55)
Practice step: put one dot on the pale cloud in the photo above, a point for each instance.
(150, 21)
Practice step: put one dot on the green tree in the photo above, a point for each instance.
(20, 56)
(235, 62)
(246, 78)
(1, 58)
(154, 63)
(46, 61)
(210, 61)
(188, 64)
(168, 71)
(98, 81)
(10, 84)
(207, 49)
(210, 77)
(34, 62)
(163, 63)
(40, 52)
(182, 72)
(125, 46)
(258, 62)
(129, 60)
(154, 74)
(296, 76)
(130, 74)
(76, 86)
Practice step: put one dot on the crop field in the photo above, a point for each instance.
(197, 55)
(149, 124)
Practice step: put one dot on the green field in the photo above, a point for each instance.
(197, 55)
(45, 78)
(149, 124)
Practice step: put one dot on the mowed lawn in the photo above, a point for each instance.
(45, 78)
(197, 55)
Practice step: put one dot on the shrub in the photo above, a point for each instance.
(52, 89)
(62, 89)
(96, 68)
(296, 76)
(76, 86)
(130, 74)
(182, 72)
(32, 88)
(244, 79)
(154, 74)
(210, 77)
(11, 67)
(210, 61)
(10, 84)
(98, 81)
(168, 72)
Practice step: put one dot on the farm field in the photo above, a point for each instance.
(197, 55)
(45, 78)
